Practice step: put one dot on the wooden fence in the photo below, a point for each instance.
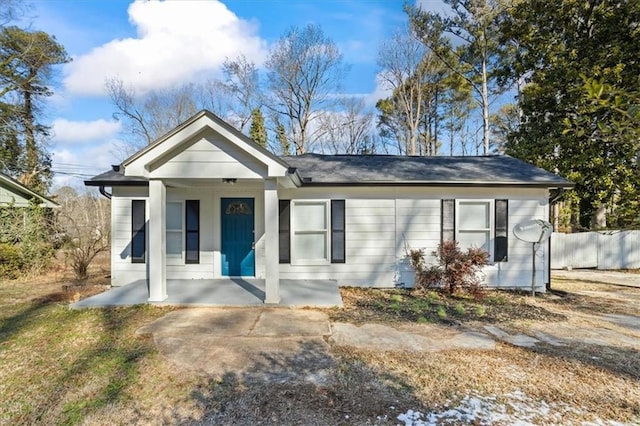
(601, 250)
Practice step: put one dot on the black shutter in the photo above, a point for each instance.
(284, 231)
(448, 220)
(138, 231)
(501, 242)
(338, 254)
(192, 234)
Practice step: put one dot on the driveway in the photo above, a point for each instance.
(627, 279)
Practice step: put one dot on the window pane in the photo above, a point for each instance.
(310, 246)
(192, 250)
(174, 215)
(174, 243)
(473, 215)
(193, 215)
(284, 228)
(479, 239)
(137, 246)
(310, 216)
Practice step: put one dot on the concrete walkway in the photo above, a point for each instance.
(266, 344)
(286, 344)
(622, 278)
(231, 292)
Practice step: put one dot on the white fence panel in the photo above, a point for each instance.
(602, 250)
(558, 259)
(619, 250)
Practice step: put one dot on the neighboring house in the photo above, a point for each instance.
(205, 201)
(13, 193)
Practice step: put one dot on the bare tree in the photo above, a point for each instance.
(305, 70)
(84, 222)
(242, 82)
(406, 67)
(10, 10)
(147, 118)
(347, 131)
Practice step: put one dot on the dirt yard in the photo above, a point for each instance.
(59, 366)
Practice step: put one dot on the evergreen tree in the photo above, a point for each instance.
(559, 53)
(257, 131)
(26, 61)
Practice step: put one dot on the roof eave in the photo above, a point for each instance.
(114, 183)
(494, 184)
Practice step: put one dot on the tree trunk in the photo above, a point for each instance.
(485, 107)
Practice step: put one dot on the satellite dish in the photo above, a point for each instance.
(533, 230)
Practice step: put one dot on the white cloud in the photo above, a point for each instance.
(70, 132)
(381, 91)
(177, 41)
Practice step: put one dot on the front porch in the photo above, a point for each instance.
(225, 292)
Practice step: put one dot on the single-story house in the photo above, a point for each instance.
(13, 193)
(205, 201)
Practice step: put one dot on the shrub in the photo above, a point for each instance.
(456, 270)
(10, 261)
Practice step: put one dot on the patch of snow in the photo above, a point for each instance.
(517, 409)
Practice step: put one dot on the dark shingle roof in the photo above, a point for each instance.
(116, 178)
(316, 169)
(493, 170)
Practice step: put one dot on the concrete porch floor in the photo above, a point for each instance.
(228, 292)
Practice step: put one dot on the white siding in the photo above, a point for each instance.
(210, 156)
(122, 270)
(369, 244)
(417, 227)
(383, 224)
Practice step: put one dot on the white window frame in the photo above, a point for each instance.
(492, 223)
(179, 257)
(296, 260)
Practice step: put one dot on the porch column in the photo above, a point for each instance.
(157, 262)
(271, 242)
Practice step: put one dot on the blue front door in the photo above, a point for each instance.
(238, 254)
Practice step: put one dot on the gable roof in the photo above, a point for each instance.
(15, 187)
(492, 170)
(217, 122)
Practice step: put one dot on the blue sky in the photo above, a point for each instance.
(158, 44)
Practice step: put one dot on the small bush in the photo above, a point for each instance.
(456, 270)
(481, 311)
(459, 308)
(10, 261)
(442, 312)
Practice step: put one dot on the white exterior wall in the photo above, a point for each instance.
(209, 156)
(124, 272)
(383, 223)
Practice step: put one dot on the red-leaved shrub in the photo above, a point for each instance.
(456, 271)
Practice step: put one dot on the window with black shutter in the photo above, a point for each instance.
(338, 254)
(192, 231)
(501, 242)
(138, 231)
(284, 231)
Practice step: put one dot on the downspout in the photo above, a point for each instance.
(552, 199)
(104, 192)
